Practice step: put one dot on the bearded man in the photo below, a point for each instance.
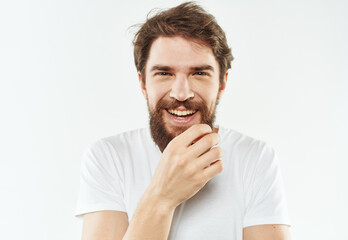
(184, 177)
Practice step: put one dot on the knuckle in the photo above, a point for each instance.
(177, 165)
(212, 139)
(180, 163)
(203, 128)
(198, 179)
(219, 152)
(169, 150)
(174, 145)
(217, 137)
(173, 142)
(220, 166)
(189, 171)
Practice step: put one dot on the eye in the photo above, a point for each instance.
(163, 74)
(201, 73)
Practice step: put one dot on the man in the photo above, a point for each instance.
(185, 177)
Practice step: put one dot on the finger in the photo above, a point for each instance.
(215, 130)
(214, 169)
(193, 133)
(204, 144)
(209, 157)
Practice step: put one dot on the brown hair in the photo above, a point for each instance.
(187, 20)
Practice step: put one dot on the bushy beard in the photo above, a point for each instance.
(160, 134)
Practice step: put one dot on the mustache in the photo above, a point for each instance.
(173, 104)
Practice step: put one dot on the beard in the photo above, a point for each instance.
(160, 134)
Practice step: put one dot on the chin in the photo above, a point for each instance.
(177, 130)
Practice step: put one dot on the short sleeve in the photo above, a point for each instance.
(264, 196)
(100, 180)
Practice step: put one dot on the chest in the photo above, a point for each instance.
(215, 212)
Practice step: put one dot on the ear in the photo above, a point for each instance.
(222, 86)
(142, 85)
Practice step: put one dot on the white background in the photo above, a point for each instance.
(68, 79)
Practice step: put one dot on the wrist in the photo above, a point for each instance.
(153, 195)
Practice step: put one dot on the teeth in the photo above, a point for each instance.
(181, 113)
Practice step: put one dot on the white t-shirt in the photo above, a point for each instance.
(116, 170)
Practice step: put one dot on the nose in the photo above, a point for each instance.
(181, 89)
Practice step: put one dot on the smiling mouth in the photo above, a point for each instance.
(178, 113)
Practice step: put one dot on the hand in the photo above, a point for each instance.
(184, 168)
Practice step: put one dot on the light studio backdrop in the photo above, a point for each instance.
(68, 78)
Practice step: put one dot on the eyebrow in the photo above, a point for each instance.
(160, 68)
(196, 68)
(203, 67)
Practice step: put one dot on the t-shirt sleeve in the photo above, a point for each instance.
(100, 180)
(264, 196)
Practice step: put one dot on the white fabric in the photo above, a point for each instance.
(116, 170)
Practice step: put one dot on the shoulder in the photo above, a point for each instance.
(125, 139)
(116, 150)
(247, 152)
(242, 142)
(119, 142)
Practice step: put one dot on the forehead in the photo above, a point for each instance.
(180, 53)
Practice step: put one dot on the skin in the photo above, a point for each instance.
(106, 225)
(171, 72)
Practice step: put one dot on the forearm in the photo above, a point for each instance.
(151, 220)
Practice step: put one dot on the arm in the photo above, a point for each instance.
(106, 225)
(266, 215)
(151, 220)
(267, 232)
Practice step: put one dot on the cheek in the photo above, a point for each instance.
(155, 93)
(209, 94)
(152, 99)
